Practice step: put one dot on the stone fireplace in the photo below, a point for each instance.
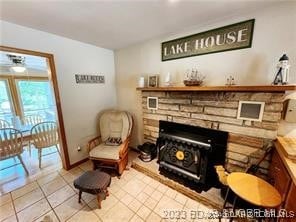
(190, 153)
(218, 110)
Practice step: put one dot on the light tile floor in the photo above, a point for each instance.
(13, 177)
(133, 197)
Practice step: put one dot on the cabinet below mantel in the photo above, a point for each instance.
(283, 176)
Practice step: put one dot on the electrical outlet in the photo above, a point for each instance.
(78, 148)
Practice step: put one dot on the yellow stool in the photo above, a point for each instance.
(253, 190)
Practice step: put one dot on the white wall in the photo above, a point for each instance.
(274, 34)
(80, 102)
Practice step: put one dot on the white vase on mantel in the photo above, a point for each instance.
(168, 79)
(141, 82)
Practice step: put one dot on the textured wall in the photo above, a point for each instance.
(273, 36)
(218, 110)
(80, 102)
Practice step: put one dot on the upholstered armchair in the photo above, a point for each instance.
(110, 148)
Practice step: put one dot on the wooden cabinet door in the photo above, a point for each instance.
(291, 200)
(280, 178)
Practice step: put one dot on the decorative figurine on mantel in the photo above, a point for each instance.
(193, 78)
(282, 76)
(230, 81)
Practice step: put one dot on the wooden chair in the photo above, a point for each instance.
(11, 145)
(32, 120)
(44, 135)
(4, 124)
(112, 124)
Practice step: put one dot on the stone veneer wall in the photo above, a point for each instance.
(218, 110)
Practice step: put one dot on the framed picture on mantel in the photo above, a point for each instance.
(153, 81)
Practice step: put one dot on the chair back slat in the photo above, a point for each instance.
(3, 124)
(11, 142)
(32, 119)
(45, 134)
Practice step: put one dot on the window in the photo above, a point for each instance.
(36, 98)
(6, 107)
(25, 96)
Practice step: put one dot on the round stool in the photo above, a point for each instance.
(254, 190)
(93, 182)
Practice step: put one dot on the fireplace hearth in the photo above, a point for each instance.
(188, 154)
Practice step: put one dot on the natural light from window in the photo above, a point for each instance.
(36, 98)
(6, 110)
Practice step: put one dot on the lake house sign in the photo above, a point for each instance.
(231, 37)
(89, 78)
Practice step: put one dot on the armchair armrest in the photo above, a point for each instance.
(93, 143)
(124, 148)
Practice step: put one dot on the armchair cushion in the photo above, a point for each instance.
(115, 124)
(103, 151)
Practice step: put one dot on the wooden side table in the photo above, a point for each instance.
(252, 189)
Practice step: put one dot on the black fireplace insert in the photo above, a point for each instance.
(188, 153)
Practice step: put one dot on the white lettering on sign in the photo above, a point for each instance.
(210, 41)
(173, 51)
(218, 39)
(241, 33)
(199, 44)
(185, 46)
(179, 48)
(231, 37)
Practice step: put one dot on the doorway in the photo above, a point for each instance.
(29, 96)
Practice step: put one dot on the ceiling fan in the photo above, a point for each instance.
(18, 63)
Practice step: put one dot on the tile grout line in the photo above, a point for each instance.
(68, 183)
(80, 210)
(106, 211)
(31, 203)
(58, 190)
(87, 204)
(51, 209)
(21, 188)
(12, 201)
(147, 215)
(29, 181)
(45, 197)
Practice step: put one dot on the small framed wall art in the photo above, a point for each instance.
(89, 79)
(153, 81)
(250, 110)
(152, 103)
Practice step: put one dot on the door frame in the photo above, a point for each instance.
(53, 78)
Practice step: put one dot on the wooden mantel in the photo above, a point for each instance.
(259, 88)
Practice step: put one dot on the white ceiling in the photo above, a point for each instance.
(117, 24)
